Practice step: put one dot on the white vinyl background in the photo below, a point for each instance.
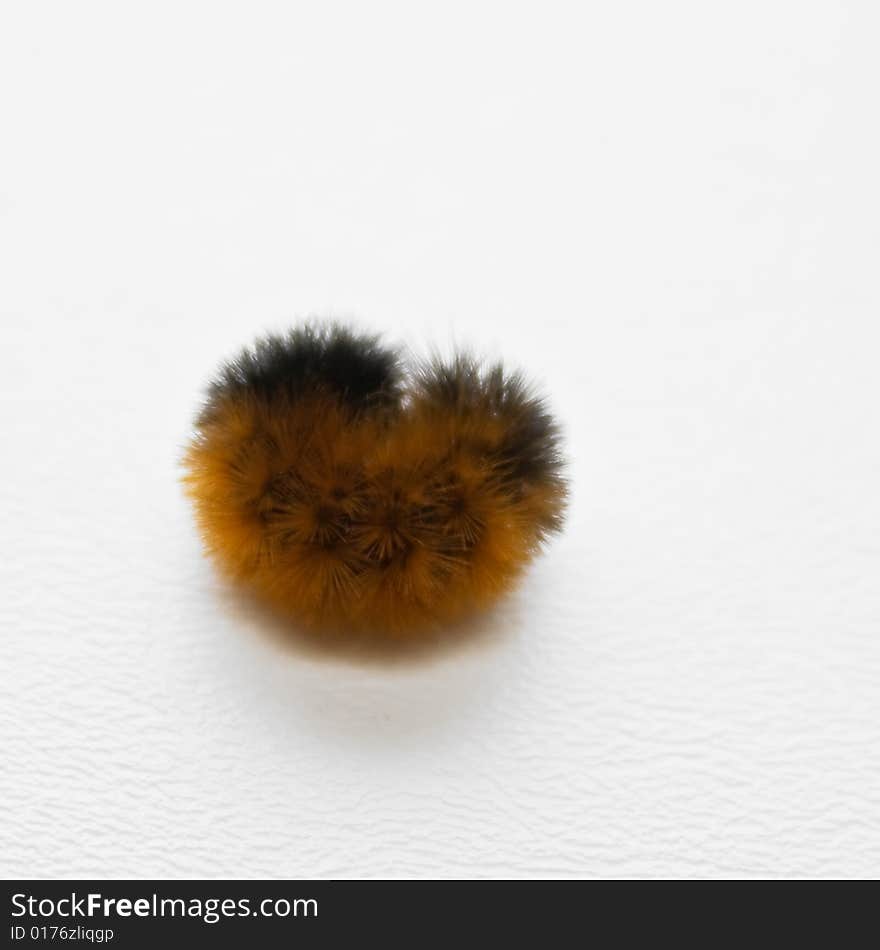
(668, 214)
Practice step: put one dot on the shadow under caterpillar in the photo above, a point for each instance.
(350, 493)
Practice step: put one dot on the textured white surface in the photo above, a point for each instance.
(667, 212)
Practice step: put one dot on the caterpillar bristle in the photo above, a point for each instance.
(349, 494)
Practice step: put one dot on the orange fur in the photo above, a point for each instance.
(387, 518)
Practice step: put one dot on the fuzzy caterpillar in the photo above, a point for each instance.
(351, 494)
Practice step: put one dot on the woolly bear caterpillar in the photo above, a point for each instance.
(349, 492)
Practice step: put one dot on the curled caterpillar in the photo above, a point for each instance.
(350, 493)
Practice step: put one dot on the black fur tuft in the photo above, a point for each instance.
(363, 372)
(531, 446)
